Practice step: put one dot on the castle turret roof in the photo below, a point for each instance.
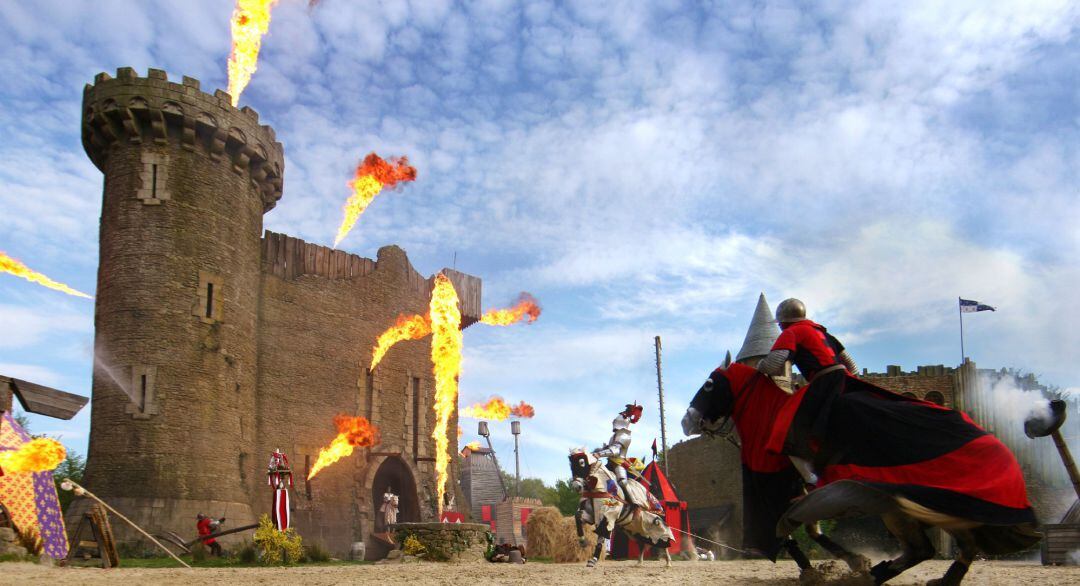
(762, 333)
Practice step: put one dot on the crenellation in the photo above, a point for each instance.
(157, 74)
(100, 78)
(152, 109)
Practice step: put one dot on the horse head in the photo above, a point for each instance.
(710, 409)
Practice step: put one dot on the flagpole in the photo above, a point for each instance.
(960, 309)
(660, 389)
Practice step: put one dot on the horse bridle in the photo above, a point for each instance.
(737, 397)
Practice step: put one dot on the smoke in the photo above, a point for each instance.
(101, 364)
(1000, 402)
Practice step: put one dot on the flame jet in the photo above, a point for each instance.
(527, 307)
(496, 409)
(37, 455)
(13, 266)
(372, 175)
(411, 327)
(353, 432)
(446, 343)
(250, 21)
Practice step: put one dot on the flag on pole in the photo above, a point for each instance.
(969, 306)
(654, 448)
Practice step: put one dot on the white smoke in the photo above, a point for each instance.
(1002, 402)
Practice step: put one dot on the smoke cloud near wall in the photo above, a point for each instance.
(1004, 400)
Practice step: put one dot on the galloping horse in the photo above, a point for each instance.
(770, 482)
(603, 504)
(877, 453)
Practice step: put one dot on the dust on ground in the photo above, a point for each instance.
(783, 573)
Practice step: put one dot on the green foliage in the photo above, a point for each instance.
(315, 552)
(198, 553)
(73, 467)
(277, 547)
(247, 554)
(563, 497)
(23, 420)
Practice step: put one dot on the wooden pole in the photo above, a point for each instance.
(660, 389)
(83, 492)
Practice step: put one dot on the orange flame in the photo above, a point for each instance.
(372, 175)
(37, 455)
(460, 432)
(353, 432)
(523, 410)
(411, 327)
(496, 409)
(527, 307)
(446, 345)
(250, 21)
(471, 446)
(10, 265)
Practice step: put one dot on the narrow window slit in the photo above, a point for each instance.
(210, 300)
(142, 393)
(153, 181)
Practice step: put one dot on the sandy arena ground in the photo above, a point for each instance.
(532, 574)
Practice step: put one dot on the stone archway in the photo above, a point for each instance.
(395, 474)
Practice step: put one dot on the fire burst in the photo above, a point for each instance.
(353, 432)
(250, 21)
(471, 446)
(446, 345)
(372, 175)
(37, 455)
(10, 265)
(526, 308)
(412, 327)
(496, 409)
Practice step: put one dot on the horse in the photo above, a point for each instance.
(770, 482)
(603, 504)
(912, 463)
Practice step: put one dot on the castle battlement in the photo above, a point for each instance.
(152, 110)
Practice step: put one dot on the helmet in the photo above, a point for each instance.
(619, 423)
(790, 311)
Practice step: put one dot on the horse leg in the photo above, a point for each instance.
(796, 554)
(913, 539)
(602, 534)
(859, 564)
(965, 544)
(667, 557)
(641, 553)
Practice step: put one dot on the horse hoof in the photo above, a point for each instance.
(591, 563)
(859, 564)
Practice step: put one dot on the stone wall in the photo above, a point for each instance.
(447, 542)
(707, 474)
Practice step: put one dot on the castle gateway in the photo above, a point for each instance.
(216, 343)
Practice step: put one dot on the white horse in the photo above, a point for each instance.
(605, 505)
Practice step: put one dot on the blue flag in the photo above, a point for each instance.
(969, 306)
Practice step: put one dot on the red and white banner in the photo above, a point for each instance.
(280, 513)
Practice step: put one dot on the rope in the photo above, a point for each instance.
(735, 549)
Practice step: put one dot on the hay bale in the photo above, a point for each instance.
(554, 537)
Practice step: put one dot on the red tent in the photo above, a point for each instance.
(674, 514)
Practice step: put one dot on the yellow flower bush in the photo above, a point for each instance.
(276, 546)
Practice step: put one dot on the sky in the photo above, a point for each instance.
(643, 168)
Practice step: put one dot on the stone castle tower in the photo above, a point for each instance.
(216, 344)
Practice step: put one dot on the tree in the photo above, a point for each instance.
(530, 487)
(72, 467)
(563, 496)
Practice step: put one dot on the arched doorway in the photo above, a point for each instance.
(936, 398)
(395, 475)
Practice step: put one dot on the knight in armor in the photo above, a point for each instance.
(618, 446)
(825, 364)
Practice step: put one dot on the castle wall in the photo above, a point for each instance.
(315, 340)
(216, 346)
(707, 474)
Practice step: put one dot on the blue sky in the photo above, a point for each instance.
(643, 168)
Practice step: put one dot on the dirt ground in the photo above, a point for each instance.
(726, 572)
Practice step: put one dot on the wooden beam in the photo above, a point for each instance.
(43, 400)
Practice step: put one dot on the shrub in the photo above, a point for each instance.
(315, 552)
(247, 554)
(198, 553)
(412, 546)
(277, 547)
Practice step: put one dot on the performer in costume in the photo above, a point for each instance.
(389, 508)
(822, 360)
(207, 526)
(279, 477)
(618, 446)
